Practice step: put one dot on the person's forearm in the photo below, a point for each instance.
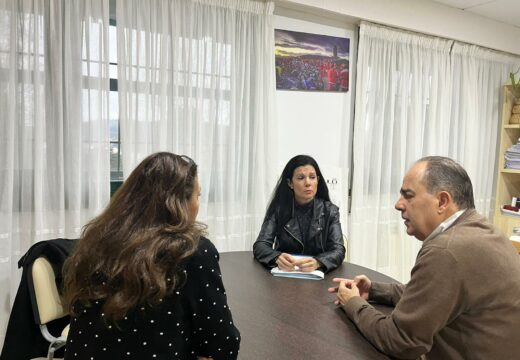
(382, 332)
(263, 247)
(264, 253)
(385, 293)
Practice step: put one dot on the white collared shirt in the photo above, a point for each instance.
(445, 224)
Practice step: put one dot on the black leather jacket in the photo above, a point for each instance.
(324, 232)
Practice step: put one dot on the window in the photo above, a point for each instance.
(116, 171)
(195, 67)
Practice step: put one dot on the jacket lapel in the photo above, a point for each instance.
(293, 229)
(317, 219)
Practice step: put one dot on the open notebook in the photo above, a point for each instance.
(312, 275)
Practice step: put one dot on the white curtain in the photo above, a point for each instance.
(196, 77)
(476, 107)
(54, 156)
(417, 95)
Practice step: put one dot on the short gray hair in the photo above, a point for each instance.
(445, 174)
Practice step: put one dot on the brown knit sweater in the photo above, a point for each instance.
(462, 301)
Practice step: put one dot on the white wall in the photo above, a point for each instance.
(318, 123)
(422, 16)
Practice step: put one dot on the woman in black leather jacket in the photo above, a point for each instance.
(301, 220)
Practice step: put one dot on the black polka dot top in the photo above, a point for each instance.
(194, 321)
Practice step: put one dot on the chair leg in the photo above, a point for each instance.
(59, 343)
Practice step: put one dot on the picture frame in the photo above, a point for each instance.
(311, 62)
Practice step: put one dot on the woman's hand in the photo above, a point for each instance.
(307, 264)
(285, 262)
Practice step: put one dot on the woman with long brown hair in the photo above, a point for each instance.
(142, 281)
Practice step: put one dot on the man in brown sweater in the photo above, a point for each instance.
(463, 298)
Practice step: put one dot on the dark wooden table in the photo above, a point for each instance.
(281, 318)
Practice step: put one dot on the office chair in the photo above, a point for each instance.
(46, 302)
(345, 244)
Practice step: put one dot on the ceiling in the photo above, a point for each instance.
(504, 11)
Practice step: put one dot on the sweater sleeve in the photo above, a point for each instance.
(383, 293)
(214, 331)
(429, 301)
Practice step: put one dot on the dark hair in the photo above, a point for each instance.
(444, 174)
(283, 196)
(130, 254)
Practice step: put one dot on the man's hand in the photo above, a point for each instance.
(348, 288)
(364, 284)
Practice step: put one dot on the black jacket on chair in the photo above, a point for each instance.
(324, 234)
(23, 339)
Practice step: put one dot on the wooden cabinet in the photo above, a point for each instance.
(508, 180)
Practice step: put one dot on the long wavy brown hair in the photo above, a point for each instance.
(131, 254)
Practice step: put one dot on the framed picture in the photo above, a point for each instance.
(311, 62)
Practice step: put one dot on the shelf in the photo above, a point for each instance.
(508, 180)
(506, 223)
(510, 213)
(508, 217)
(516, 244)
